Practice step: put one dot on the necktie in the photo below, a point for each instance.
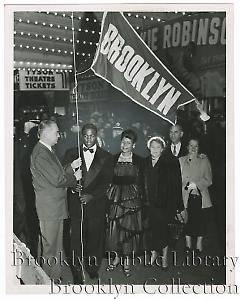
(91, 150)
(174, 150)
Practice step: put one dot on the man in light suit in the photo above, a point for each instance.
(50, 182)
(89, 209)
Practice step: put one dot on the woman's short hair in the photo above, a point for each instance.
(195, 138)
(43, 125)
(89, 126)
(158, 139)
(130, 134)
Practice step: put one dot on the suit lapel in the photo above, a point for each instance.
(83, 167)
(52, 155)
(94, 169)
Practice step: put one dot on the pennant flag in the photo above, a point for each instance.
(124, 60)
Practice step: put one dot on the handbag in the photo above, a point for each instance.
(176, 228)
(194, 200)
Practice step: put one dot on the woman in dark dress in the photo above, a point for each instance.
(163, 192)
(124, 231)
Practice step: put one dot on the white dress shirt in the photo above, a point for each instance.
(88, 157)
(178, 147)
(48, 146)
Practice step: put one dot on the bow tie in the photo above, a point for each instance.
(91, 150)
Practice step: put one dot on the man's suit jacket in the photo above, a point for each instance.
(50, 182)
(95, 182)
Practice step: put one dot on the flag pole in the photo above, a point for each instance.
(75, 92)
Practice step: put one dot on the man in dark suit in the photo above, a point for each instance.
(50, 182)
(176, 147)
(87, 212)
(172, 152)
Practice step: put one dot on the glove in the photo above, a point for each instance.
(78, 174)
(192, 186)
(76, 163)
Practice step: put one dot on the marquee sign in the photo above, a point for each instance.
(43, 80)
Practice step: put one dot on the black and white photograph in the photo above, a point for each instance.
(121, 120)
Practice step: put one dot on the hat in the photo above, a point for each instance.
(117, 126)
(156, 138)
